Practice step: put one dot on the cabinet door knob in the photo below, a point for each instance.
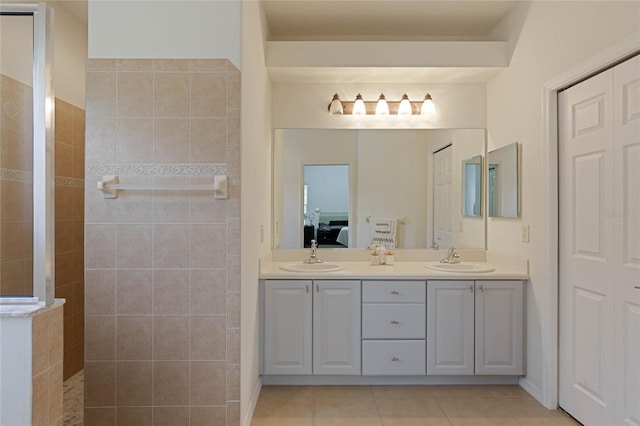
(481, 289)
(395, 292)
(471, 288)
(395, 359)
(637, 287)
(394, 322)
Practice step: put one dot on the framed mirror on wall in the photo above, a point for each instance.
(503, 182)
(389, 174)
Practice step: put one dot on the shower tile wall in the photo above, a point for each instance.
(16, 157)
(162, 295)
(69, 229)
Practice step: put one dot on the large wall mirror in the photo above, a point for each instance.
(502, 181)
(336, 185)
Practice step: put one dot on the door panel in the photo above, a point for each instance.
(442, 193)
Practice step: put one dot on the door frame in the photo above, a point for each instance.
(616, 53)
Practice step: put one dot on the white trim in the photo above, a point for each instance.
(550, 345)
(252, 404)
(389, 380)
(531, 388)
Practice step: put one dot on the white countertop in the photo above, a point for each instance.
(505, 269)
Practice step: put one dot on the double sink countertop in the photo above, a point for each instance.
(408, 264)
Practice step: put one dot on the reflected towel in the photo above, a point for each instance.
(383, 231)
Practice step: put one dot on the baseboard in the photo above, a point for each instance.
(533, 390)
(389, 380)
(252, 404)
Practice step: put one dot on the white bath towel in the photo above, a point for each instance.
(383, 231)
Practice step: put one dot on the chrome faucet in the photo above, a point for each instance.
(452, 256)
(313, 258)
(435, 245)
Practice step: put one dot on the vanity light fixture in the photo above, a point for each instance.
(382, 107)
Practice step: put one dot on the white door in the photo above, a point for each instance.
(287, 333)
(442, 197)
(599, 162)
(499, 327)
(450, 327)
(336, 327)
(627, 237)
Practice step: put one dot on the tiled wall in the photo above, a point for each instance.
(16, 180)
(16, 157)
(162, 294)
(47, 365)
(69, 229)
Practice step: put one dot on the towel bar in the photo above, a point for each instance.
(110, 185)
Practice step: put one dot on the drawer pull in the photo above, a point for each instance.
(471, 288)
(395, 292)
(395, 359)
(394, 322)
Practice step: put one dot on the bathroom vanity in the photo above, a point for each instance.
(404, 323)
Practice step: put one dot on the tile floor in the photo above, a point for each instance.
(402, 406)
(73, 400)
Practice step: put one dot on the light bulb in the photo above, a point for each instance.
(335, 107)
(405, 106)
(359, 107)
(382, 107)
(427, 106)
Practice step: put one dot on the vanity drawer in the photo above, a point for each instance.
(393, 357)
(393, 321)
(394, 291)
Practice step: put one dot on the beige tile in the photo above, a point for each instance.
(63, 197)
(171, 383)
(79, 126)
(497, 421)
(284, 410)
(99, 384)
(170, 292)
(505, 390)
(233, 309)
(208, 383)
(16, 200)
(77, 164)
(233, 203)
(172, 65)
(77, 302)
(63, 122)
(16, 240)
(134, 140)
(77, 265)
(208, 246)
(410, 410)
(133, 337)
(138, 416)
(16, 153)
(100, 246)
(77, 234)
(231, 67)
(135, 64)
(100, 416)
(100, 338)
(209, 65)
(133, 383)
(171, 337)
(94, 64)
(170, 416)
(100, 95)
(559, 419)
(97, 208)
(40, 396)
(208, 416)
(381, 393)
(526, 406)
(64, 266)
(64, 160)
(135, 94)
(207, 292)
(233, 345)
(287, 393)
(56, 410)
(233, 273)
(205, 208)
(208, 337)
(233, 413)
(133, 246)
(135, 206)
(233, 382)
(363, 392)
(233, 90)
(465, 391)
(14, 277)
(170, 246)
(77, 205)
(345, 411)
(208, 95)
(233, 161)
(100, 140)
(64, 234)
(133, 292)
(171, 206)
(77, 336)
(473, 407)
(208, 140)
(40, 354)
(172, 94)
(172, 140)
(100, 292)
(55, 338)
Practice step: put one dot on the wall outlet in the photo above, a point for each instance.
(525, 233)
(262, 233)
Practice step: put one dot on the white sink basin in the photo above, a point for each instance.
(460, 267)
(311, 267)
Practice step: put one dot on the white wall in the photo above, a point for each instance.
(327, 187)
(70, 53)
(165, 29)
(305, 105)
(555, 37)
(256, 195)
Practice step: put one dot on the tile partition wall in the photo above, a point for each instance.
(69, 229)
(162, 268)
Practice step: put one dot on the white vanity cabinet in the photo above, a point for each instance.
(304, 318)
(393, 328)
(475, 327)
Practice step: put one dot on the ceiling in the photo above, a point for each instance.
(383, 19)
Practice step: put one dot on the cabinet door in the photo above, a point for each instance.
(336, 327)
(287, 333)
(450, 327)
(499, 327)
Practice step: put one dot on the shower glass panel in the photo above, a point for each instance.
(16, 155)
